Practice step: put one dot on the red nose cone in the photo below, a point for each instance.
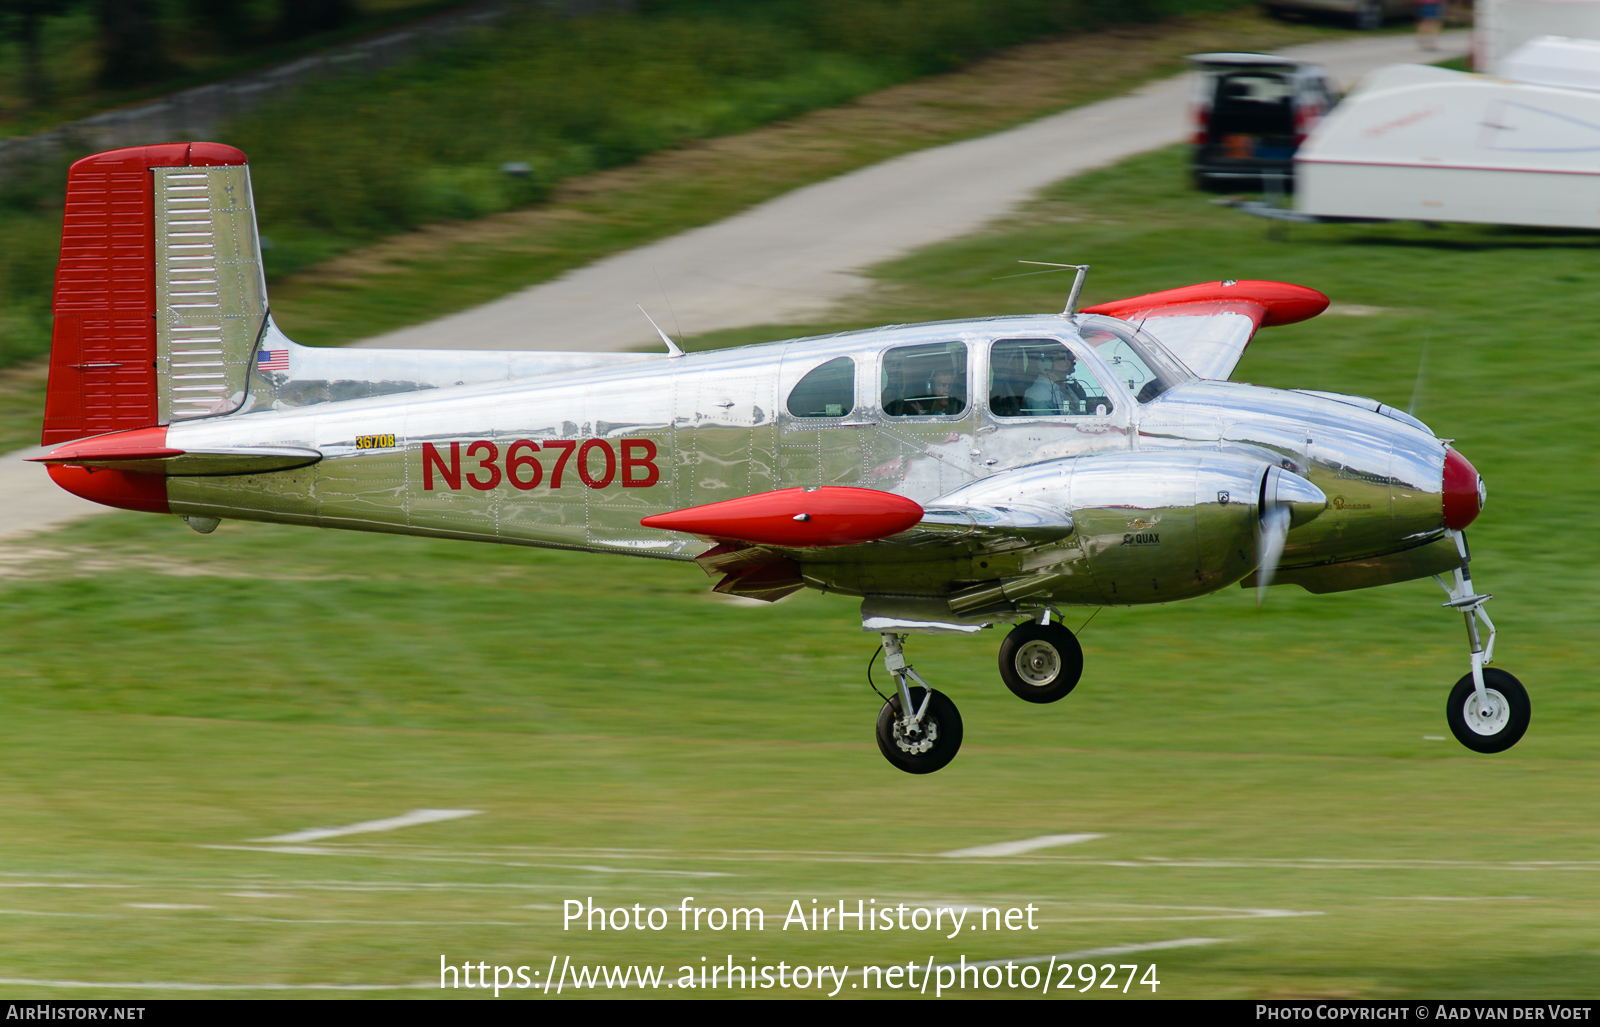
(1464, 491)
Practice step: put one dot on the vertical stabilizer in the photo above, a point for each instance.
(159, 295)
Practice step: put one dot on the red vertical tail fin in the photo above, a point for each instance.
(104, 353)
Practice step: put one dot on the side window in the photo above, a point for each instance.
(1042, 378)
(827, 391)
(1144, 378)
(921, 381)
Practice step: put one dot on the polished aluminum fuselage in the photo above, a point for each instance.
(435, 459)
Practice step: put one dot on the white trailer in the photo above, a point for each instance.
(1501, 26)
(1426, 144)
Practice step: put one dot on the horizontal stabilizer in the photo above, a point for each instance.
(1209, 325)
(797, 518)
(144, 450)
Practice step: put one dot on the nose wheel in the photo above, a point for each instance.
(1488, 709)
(919, 729)
(1497, 721)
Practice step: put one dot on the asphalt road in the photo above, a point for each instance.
(794, 257)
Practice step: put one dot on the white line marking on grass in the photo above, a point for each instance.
(1433, 738)
(1068, 957)
(54, 884)
(35, 982)
(1044, 841)
(163, 905)
(1108, 950)
(1462, 898)
(261, 895)
(316, 850)
(416, 816)
(1191, 913)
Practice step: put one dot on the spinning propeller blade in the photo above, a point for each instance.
(1416, 389)
(1287, 501)
(1269, 548)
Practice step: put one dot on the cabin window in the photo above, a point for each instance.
(1042, 378)
(827, 391)
(1144, 373)
(924, 381)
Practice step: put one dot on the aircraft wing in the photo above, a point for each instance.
(1208, 326)
(759, 537)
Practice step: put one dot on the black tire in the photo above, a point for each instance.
(1368, 15)
(941, 727)
(1040, 663)
(1501, 733)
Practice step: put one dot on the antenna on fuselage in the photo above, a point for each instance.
(1077, 282)
(672, 348)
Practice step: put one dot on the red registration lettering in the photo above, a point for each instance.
(631, 463)
(515, 462)
(523, 471)
(485, 463)
(609, 456)
(431, 460)
(566, 446)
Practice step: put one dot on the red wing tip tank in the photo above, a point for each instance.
(952, 476)
(797, 517)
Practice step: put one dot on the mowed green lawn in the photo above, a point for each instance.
(1275, 801)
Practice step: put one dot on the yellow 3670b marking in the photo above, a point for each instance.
(374, 441)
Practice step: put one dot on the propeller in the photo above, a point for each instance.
(1287, 501)
(1416, 389)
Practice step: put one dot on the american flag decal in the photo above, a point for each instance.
(272, 360)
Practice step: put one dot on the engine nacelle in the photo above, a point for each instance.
(1150, 527)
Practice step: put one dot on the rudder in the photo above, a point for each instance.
(159, 297)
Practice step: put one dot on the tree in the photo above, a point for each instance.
(229, 19)
(304, 17)
(25, 19)
(131, 53)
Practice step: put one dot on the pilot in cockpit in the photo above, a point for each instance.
(1053, 390)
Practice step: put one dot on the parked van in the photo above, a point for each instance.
(1251, 112)
(1361, 14)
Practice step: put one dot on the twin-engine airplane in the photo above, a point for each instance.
(951, 475)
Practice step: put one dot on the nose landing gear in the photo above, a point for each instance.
(919, 729)
(1488, 709)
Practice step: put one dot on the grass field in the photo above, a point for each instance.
(1279, 810)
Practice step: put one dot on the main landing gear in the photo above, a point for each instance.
(1488, 709)
(1040, 661)
(919, 729)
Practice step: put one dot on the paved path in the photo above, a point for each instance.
(793, 257)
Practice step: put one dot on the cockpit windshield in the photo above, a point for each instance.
(1138, 361)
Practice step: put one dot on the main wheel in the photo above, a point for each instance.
(1507, 719)
(931, 748)
(1040, 662)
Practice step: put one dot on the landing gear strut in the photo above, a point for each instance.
(1488, 709)
(919, 729)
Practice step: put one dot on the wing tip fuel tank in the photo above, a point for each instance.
(1269, 304)
(798, 517)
